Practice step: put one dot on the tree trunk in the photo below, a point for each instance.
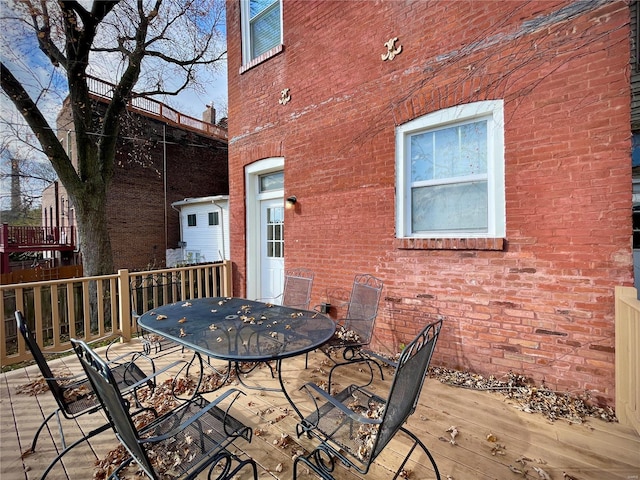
(97, 257)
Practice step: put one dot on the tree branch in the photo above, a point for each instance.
(29, 110)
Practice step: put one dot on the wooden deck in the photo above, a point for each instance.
(592, 450)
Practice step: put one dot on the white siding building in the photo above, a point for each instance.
(204, 230)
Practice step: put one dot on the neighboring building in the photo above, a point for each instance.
(162, 157)
(476, 156)
(204, 230)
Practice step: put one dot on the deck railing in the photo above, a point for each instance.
(102, 90)
(96, 308)
(628, 357)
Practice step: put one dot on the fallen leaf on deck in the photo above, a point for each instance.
(453, 432)
(541, 473)
(517, 470)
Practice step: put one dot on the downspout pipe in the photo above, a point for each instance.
(180, 226)
(224, 251)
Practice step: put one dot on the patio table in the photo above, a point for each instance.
(238, 330)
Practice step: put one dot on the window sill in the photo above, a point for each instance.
(262, 58)
(497, 244)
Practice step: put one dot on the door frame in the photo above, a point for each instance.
(252, 205)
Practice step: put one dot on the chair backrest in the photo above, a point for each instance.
(297, 288)
(363, 306)
(56, 389)
(115, 407)
(407, 384)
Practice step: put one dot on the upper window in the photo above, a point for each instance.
(214, 218)
(191, 220)
(261, 27)
(450, 173)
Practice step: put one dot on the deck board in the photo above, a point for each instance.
(591, 450)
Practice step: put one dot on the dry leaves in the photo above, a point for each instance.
(554, 405)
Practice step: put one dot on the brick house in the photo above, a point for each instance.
(161, 159)
(473, 155)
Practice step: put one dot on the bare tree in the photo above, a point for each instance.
(154, 46)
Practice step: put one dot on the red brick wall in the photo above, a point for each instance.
(541, 306)
(141, 224)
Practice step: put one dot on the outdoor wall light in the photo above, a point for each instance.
(291, 202)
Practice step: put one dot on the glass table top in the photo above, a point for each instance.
(239, 329)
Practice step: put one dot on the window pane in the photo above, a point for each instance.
(459, 207)
(275, 232)
(272, 181)
(421, 149)
(449, 152)
(265, 30)
(473, 149)
(257, 6)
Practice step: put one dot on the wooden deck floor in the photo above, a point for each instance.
(593, 450)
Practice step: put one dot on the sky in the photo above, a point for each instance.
(19, 51)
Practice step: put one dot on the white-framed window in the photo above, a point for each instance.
(191, 220)
(261, 27)
(214, 218)
(450, 173)
(192, 256)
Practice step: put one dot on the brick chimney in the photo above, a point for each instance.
(209, 115)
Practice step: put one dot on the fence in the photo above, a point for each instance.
(98, 308)
(628, 357)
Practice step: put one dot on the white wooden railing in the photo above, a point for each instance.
(98, 308)
(628, 357)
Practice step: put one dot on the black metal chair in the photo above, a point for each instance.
(296, 294)
(355, 331)
(74, 395)
(297, 288)
(183, 442)
(355, 425)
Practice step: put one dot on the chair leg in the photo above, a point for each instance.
(314, 461)
(42, 425)
(416, 442)
(240, 466)
(92, 433)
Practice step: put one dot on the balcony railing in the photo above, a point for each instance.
(102, 90)
(97, 308)
(20, 238)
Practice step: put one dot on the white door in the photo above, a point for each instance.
(264, 228)
(271, 249)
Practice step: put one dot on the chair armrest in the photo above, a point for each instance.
(214, 403)
(69, 382)
(131, 357)
(337, 404)
(381, 358)
(153, 375)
